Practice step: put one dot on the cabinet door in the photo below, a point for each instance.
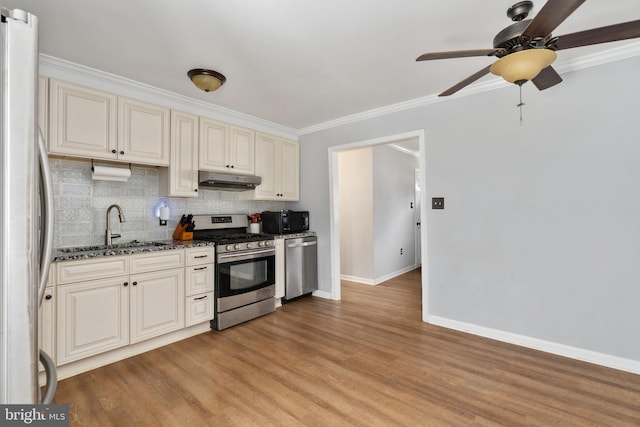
(213, 145)
(289, 171)
(143, 132)
(199, 309)
(82, 121)
(93, 318)
(242, 150)
(47, 324)
(181, 178)
(156, 303)
(266, 160)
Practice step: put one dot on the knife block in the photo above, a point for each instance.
(180, 228)
(186, 235)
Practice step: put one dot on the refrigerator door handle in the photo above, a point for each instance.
(51, 378)
(47, 206)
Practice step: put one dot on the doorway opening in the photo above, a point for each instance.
(398, 141)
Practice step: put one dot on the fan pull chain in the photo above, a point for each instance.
(521, 103)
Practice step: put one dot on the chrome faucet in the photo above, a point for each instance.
(108, 236)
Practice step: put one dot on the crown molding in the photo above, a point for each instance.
(51, 66)
(65, 70)
(611, 55)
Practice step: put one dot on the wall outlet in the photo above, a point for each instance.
(437, 203)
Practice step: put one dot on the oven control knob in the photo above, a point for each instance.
(228, 247)
(236, 246)
(248, 245)
(261, 243)
(268, 243)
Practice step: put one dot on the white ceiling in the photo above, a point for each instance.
(296, 63)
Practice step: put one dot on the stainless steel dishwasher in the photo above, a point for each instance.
(301, 267)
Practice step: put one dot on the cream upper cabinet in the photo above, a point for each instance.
(226, 148)
(82, 121)
(89, 123)
(180, 179)
(277, 162)
(143, 132)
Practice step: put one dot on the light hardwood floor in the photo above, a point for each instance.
(367, 360)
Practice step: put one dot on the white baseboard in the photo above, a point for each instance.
(615, 362)
(322, 294)
(357, 279)
(378, 280)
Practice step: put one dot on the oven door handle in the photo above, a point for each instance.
(260, 253)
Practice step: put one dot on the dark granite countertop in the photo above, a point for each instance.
(135, 247)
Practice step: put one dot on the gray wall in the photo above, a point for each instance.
(393, 217)
(541, 231)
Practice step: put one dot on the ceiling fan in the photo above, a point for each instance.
(526, 49)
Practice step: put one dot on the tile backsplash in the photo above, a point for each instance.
(81, 205)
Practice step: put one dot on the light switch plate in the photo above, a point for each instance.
(437, 203)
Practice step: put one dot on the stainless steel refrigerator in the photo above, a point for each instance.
(26, 215)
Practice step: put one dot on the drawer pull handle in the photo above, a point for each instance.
(201, 268)
(48, 297)
(126, 283)
(199, 298)
(135, 283)
(201, 256)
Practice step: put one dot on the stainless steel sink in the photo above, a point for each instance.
(130, 245)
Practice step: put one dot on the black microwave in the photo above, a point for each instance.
(280, 222)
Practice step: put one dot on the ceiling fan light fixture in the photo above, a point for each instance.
(206, 80)
(524, 65)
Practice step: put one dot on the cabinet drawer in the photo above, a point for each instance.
(155, 261)
(198, 309)
(83, 270)
(197, 256)
(198, 279)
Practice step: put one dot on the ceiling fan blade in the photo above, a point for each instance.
(458, 54)
(552, 14)
(472, 78)
(611, 33)
(546, 78)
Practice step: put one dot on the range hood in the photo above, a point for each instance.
(227, 181)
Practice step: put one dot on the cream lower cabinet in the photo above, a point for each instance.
(111, 302)
(156, 304)
(199, 285)
(47, 324)
(93, 317)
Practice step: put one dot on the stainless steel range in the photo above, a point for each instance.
(245, 268)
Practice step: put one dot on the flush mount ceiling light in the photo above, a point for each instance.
(207, 80)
